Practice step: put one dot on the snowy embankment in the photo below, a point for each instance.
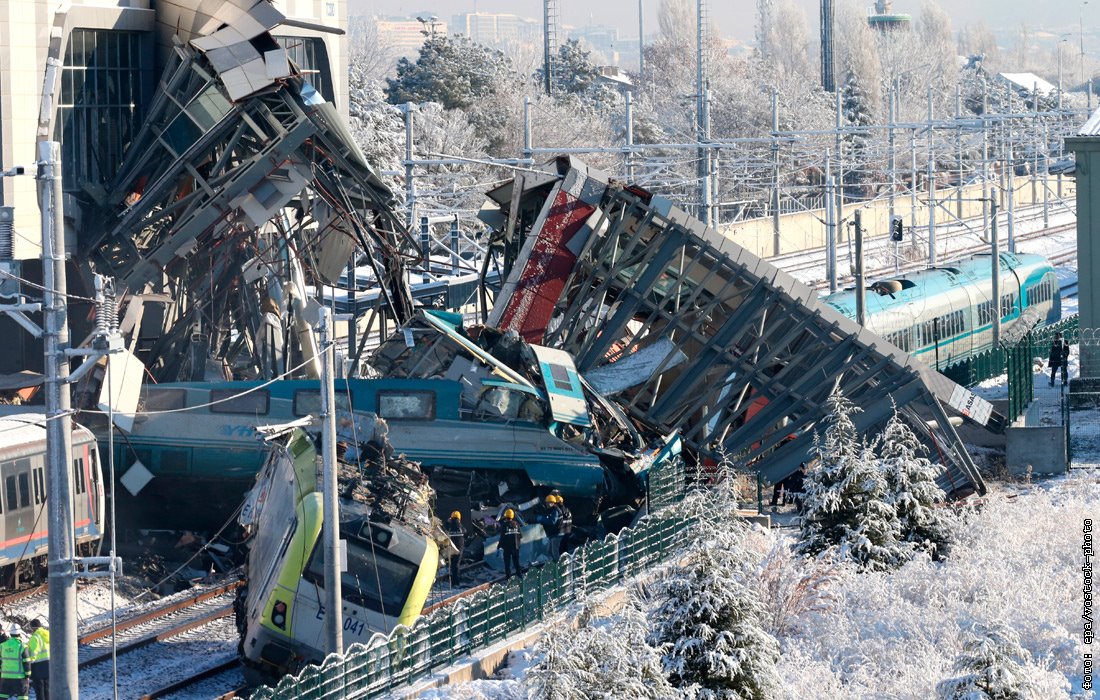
(896, 634)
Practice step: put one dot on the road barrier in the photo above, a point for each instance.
(471, 624)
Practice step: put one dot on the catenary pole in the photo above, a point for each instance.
(861, 291)
(995, 244)
(334, 633)
(61, 546)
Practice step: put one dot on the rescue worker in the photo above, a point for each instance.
(458, 538)
(550, 519)
(510, 537)
(38, 650)
(1058, 358)
(565, 526)
(14, 666)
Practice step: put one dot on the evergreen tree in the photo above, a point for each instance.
(845, 503)
(602, 658)
(858, 111)
(914, 494)
(708, 627)
(453, 72)
(993, 666)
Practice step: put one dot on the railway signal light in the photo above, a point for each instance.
(897, 229)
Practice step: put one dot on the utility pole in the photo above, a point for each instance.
(1010, 170)
(59, 430)
(931, 186)
(334, 631)
(996, 262)
(702, 113)
(861, 291)
(410, 184)
(629, 137)
(830, 224)
(839, 189)
(549, 30)
(959, 152)
(891, 166)
(775, 172)
(641, 45)
(527, 127)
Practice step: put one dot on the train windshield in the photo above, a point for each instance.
(375, 579)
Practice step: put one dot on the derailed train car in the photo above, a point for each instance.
(392, 546)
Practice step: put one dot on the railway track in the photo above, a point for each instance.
(24, 597)
(220, 680)
(157, 623)
(168, 649)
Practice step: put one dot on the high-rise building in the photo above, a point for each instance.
(496, 29)
(404, 36)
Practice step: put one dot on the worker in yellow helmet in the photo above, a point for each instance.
(15, 665)
(38, 650)
(511, 535)
(457, 533)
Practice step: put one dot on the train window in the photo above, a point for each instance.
(406, 405)
(174, 461)
(254, 403)
(308, 401)
(24, 490)
(10, 493)
(154, 399)
(39, 487)
(78, 476)
(375, 578)
(560, 376)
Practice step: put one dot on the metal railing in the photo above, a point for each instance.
(471, 624)
(1015, 360)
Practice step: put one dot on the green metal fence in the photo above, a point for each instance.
(1016, 361)
(1021, 357)
(455, 631)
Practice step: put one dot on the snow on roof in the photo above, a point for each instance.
(1028, 82)
(1092, 126)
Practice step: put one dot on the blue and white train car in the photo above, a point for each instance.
(945, 314)
(23, 517)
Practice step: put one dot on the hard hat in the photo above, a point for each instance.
(550, 498)
(14, 630)
(558, 499)
(455, 514)
(509, 513)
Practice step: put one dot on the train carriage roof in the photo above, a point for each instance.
(25, 433)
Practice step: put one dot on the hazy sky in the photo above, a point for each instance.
(735, 17)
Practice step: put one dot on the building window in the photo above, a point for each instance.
(311, 57)
(105, 84)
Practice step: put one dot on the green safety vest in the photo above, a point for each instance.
(38, 646)
(11, 659)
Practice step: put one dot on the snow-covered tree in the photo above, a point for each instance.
(912, 488)
(846, 501)
(454, 72)
(708, 626)
(601, 658)
(992, 666)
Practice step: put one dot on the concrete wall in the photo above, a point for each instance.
(1043, 449)
(806, 230)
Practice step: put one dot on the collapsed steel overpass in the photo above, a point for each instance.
(241, 188)
(694, 333)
